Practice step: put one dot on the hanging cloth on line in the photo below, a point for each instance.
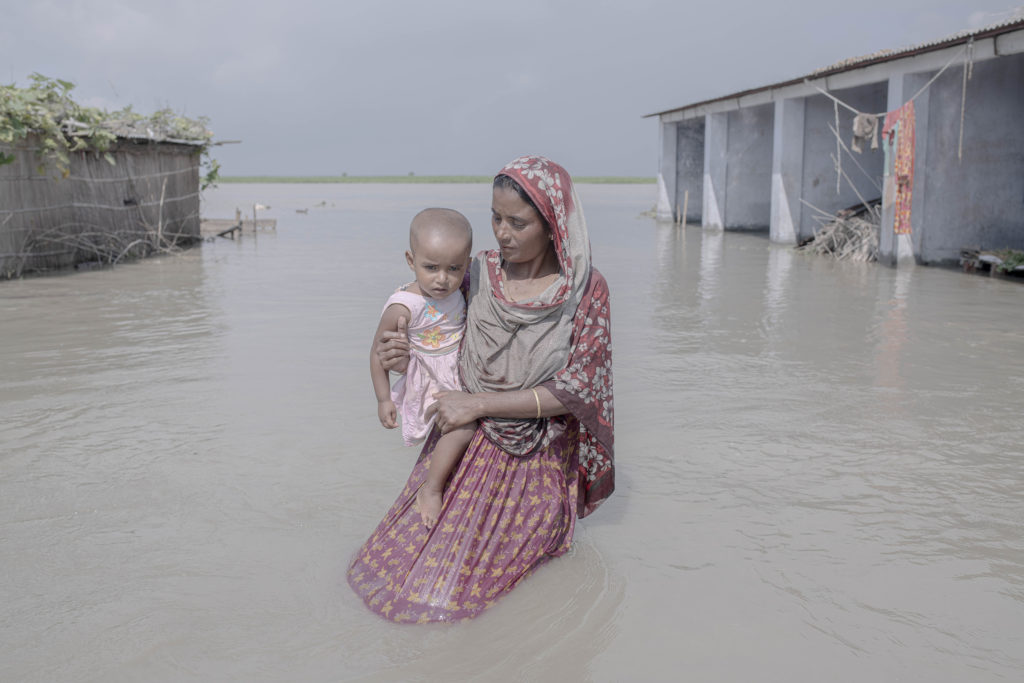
(864, 126)
(898, 135)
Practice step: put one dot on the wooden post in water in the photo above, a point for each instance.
(686, 201)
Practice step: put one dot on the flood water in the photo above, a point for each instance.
(820, 464)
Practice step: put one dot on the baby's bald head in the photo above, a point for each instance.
(444, 228)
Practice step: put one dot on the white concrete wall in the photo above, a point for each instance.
(666, 170)
(979, 201)
(690, 168)
(716, 154)
(787, 169)
(749, 168)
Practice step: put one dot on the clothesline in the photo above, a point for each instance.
(967, 51)
(857, 163)
(968, 72)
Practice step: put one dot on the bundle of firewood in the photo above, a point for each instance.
(850, 235)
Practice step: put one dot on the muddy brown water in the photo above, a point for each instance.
(821, 472)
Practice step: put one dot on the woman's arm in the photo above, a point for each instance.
(392, 347)
(457, 408)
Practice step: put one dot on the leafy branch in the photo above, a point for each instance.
(45, 109)
(1011, 260)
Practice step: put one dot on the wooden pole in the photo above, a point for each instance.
(160, 218)
(686, 201)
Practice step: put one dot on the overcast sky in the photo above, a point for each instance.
(445, 86)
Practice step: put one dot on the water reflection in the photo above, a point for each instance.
(576, 617)
(673, 291)
(710, 265)
(107, 327)
(670, 250)
(892, 331)
(780, 261)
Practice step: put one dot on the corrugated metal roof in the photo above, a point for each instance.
(1016, 22)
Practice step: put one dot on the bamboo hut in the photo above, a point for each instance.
(145, 201)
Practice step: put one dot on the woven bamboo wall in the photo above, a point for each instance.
(147, 201)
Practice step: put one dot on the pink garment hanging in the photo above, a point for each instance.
(898, 134)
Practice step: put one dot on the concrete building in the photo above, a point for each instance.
(765, 158)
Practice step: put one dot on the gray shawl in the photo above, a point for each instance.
(519, 345)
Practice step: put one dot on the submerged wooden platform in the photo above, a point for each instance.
(229, 227)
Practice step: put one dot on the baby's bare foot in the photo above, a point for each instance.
(428, 502)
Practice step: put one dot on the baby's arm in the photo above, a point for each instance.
(386, 411)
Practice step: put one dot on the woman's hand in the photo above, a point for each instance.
(393, 348)
(453, 409)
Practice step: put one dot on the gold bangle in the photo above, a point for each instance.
(537, 399)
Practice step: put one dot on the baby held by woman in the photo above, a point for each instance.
(440, 241)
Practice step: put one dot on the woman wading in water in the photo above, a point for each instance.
(536, 362)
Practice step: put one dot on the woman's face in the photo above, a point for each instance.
(522, 234)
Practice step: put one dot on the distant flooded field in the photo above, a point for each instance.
(821, 465)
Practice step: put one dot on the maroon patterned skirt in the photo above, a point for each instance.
(501, 516)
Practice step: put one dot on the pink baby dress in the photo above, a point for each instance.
(435, 330)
